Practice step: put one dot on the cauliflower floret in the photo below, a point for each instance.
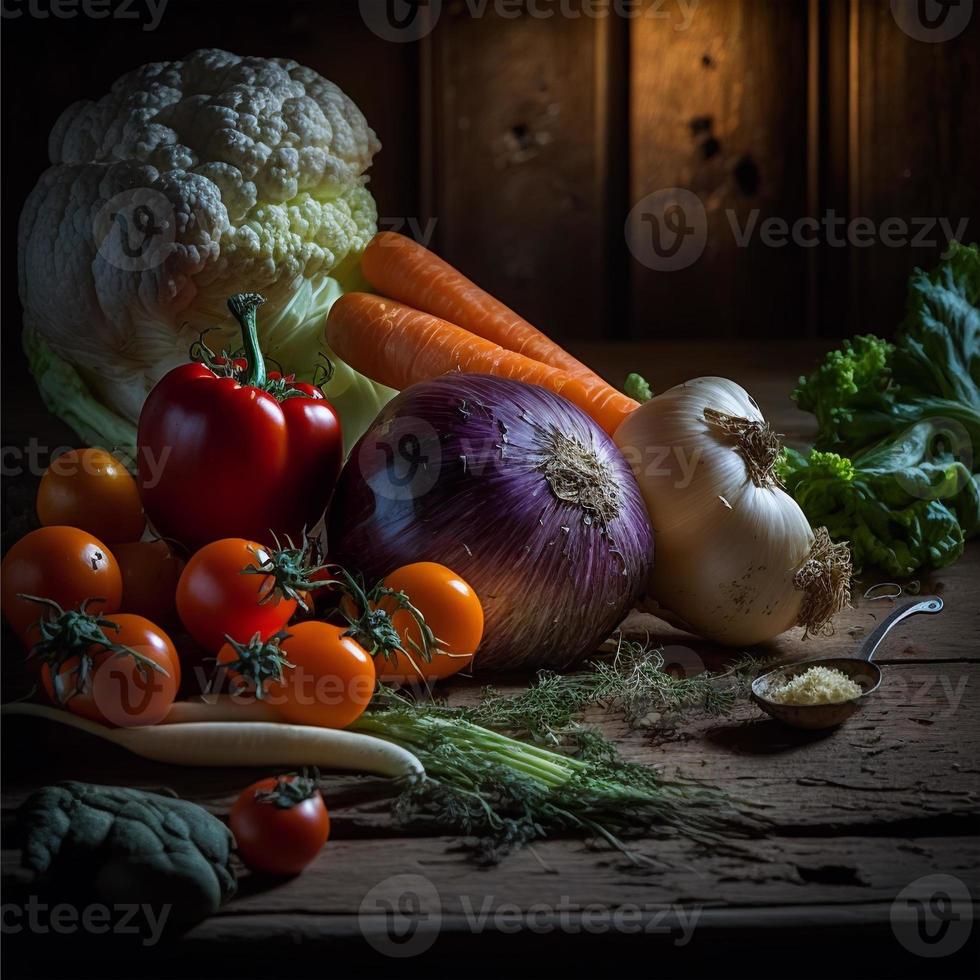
(190, 181)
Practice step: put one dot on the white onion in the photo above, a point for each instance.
(736, 560)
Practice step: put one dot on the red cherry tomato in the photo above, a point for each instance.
(330, 680)
(90, 489)
(63, 564)
(215, 599)
(121, 689)
(450, 608)
(280, 825)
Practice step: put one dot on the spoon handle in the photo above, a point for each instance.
(929, 604)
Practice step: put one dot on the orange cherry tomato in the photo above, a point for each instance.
(59, 563)
(278, 832)
(215, 599)
(91, 490)
(122, 689)
(452, 611)
(331, 680)
(150, 573)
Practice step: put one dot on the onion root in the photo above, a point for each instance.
(824, 579)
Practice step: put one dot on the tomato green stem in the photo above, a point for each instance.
(72, 633)
(243, 307)
(291, 789)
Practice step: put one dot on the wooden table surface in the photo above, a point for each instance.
(858, 815)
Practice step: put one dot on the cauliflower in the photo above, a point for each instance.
(190, 181)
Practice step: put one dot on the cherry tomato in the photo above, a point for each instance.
(150, 572)
(329, 683)
(450, 608)
(280, 825)
(123, 690)
(59, 563)
(91, 490)
(215, 599)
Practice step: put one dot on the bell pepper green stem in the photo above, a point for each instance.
(243, 307)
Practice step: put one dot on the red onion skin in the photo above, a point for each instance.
(451, 472)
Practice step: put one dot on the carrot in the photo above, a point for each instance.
(398, 346)
(403, 270)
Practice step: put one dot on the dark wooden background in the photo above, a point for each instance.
(522, 143)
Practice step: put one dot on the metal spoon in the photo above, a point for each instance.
(860, 669)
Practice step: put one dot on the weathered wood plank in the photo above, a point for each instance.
(784, 871)
(908, 761)
(520, 156)
(718, 109)
(909, 150)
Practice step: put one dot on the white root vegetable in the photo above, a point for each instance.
(219, 707)
(735, 559)
(241, 743)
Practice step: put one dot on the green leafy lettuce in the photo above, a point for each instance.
(894, 467)
(905, 504)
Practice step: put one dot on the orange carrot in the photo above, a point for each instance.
(398, 346)
(403, 270)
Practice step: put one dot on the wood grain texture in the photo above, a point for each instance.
(520, 168)
(718, 107)
(914, 156)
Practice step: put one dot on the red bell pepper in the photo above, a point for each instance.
(226, 449)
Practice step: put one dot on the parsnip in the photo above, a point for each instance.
(242, 743)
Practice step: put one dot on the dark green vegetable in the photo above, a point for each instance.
(128, 846)
(905, 504)
(894, 469)
(870, 389)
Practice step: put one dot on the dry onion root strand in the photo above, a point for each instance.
(756, 443)
(824, 578)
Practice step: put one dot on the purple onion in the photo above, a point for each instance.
(516, 490)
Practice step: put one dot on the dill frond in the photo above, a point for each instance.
(488, 785)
